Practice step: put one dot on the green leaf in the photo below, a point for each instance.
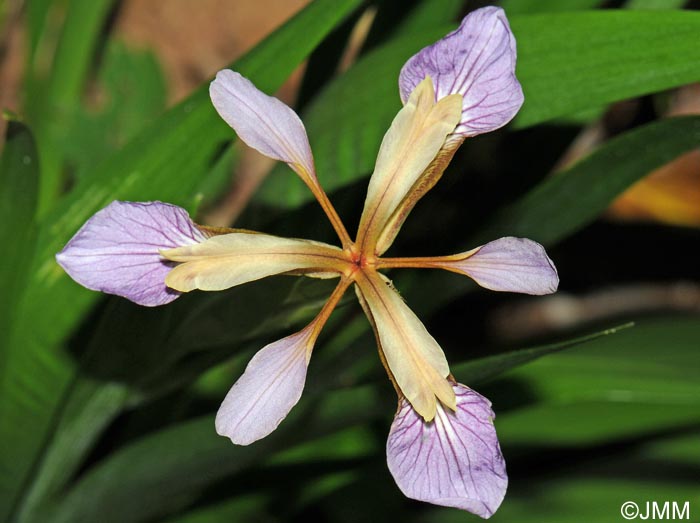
(393, 18)
(600, 57)
(569, 200)
(641, 381)
(483, 369)
(133, 92)
(165, 162)
(183, 459)
(524, 7)
(61, 94)
(567, 62)
(567, 490)
(19, 184)
(248, 508)
(127, 364)
(587, 422)
(19, 181)
(127, 473)
(36, 14)
(654, 4)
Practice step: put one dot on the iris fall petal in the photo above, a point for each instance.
(454, 460)
(478, 62)
(117, 251)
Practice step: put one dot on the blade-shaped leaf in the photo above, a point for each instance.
(600, 57)
(19, 180)
(567, 201)
(185, 458)
(19, 184)
(162, 162)
(482, 369)
(617, 387)
(61, 94)
(202, 458)
(524, 7)
(127, 364)
(567, 62)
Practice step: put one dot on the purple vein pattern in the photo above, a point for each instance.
(454, 460)
(117, 251)
(478, 62)
(268, 389)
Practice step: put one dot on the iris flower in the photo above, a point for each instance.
(442, 446)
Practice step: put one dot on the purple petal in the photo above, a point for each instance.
(117, 250)
(454, 460)
(263, 122)
(478, 62)
(268, 389)
(512, 265)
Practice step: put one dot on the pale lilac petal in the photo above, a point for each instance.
(263, 122)
(510, 264)
(117, 250)
(268, 389)
(454, 460)
(478, 62)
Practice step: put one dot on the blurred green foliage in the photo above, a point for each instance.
(106, 408)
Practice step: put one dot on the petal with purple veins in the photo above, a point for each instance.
(263, 122)
(268, 389)
(478, 62)
(454, 460)
(117, 251)
(508, 264)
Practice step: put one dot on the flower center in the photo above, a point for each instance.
(359, 260)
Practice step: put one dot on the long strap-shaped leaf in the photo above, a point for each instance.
(567, 201)
(164, 162)
(156, 467)
(567, 62)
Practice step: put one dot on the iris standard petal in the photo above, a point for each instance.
(263, 122)
(415, 137)
(268, 389)
(228, 260)
(415, 359)
(273, 381)
(478, 62)
(508, 264)
(454, 460)
(117, 251)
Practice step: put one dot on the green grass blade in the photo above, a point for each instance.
(567, 62)
(19, 181)
(599, 57)
(567, 201)
(19, 184)
(61, 94)
(165, 162)
(483, 369)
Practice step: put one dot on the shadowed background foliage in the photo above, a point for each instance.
(107, 408)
